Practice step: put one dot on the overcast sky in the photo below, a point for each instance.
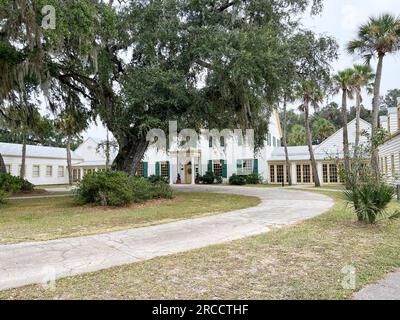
(341, 19)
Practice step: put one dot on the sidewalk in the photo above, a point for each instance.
(386, 289)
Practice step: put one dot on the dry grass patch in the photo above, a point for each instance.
(52, 218)
(298, 262)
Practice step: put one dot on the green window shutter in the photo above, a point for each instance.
(210, 142)
(255, 166)
(224, 169)
(157, 169)
(169, 170)
(145, 169)
(210, 166)
(222, 141)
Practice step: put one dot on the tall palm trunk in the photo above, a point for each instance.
(310, 144)
(375, 116)
(23, 162)
(346, 150)
(284, 138)
(358, 117)
(69, 161)
(3, 168)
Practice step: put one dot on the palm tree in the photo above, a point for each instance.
(377, 38)
(284, 140)
(343, 81)
(71, 122)
(297, 136)
(322, 129)
(363, 76)
(311, 95)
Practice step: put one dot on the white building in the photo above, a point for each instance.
(389, 152)
(224, 156)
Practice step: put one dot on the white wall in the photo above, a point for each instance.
(15, 163)
(392, 147)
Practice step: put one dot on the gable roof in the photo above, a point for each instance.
(15, 150)
(335, 141)
(332, 146)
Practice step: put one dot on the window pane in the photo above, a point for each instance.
(333, 173)
(280, 173)
(325, 173)
(36, 171)
(165, 169)
(217, 167)
(60, 171)
(49, 171)
(140, 170)
(298, 171)
(272, 174)
(306, 173)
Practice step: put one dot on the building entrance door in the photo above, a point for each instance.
(188, 173)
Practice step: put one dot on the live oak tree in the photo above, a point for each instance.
(207, 64)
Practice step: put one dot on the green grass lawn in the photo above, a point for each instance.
(298, 262)
(53, 186)
(52, 218)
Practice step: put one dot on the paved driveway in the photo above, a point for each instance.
(38, 262)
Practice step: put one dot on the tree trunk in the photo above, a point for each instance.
(23, 162)
(3, 168)
(346, 150)
(130, 154)
(108, 151)
(284, 138)
(375, 117)
(310, 144)
(358, 132)
(69, 162)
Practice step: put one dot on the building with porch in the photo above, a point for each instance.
(225, 156)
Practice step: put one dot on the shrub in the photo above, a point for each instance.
(218, 180)
(142, 189)
(370, 200)
(3, 196)
(105, 189)
(254, 179)
(208, 178)
(156, 179)
(12, 184)
(236, 180)
(162, 190)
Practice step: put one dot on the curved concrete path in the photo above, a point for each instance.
(40, 262)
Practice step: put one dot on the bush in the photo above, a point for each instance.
(370, 200)
(162, 190)
(142, 189)
(254, 179)
(3, 196)
(208, 178)
(156, 179)
(236, 180)
(117, 189)
(218, 180)
(12, 184)
(105, 189)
